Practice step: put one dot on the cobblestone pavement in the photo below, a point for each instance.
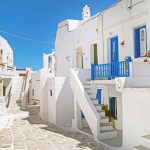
(24, 130)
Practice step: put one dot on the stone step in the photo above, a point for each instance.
(92, 97)
(87, 86)
(108, 134)
(104, 123)
(106, 126)
(88, 81)
(89, 93)
(98, 107)
(146, 141)
(141, 147)
(104, 120)
(88, 90)
(95, 101)
(101, 113)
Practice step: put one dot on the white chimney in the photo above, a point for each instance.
(86, 14)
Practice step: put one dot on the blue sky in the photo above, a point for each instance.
(38, 19)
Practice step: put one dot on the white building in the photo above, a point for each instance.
(49, 68)
(6, 55)
(7, 70)
(35, 86)
(100, 48)
(49, 61)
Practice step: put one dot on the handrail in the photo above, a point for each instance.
(24, 84)
(26, 80)
(85, 104)
(110, 70)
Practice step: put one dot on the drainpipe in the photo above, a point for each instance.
(102, 33)
(103, 37)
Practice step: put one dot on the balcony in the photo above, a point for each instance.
(110, 70)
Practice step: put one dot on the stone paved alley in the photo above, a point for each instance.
(24, 130)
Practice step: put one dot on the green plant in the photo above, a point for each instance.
(148, 54)
(128, 58)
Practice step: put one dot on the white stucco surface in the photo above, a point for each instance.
(57, 99)
(35, 88)
(78, 37)
(7, 54)
(136, 120)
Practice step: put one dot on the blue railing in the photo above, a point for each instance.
(110, 70)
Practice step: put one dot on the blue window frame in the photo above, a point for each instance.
(138, 50)
(113, 106)
(114, 49)
(99, 96)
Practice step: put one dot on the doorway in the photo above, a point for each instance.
(114, 49)
(113, 106)
(79, 60)
(114, 56)
(94, 54)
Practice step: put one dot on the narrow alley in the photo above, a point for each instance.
(24, 130)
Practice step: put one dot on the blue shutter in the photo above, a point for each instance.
(136, 43)
(99, 96)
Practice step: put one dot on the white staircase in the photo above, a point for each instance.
(145, 143)
(95, 117)
(106, 128)
(16, 91)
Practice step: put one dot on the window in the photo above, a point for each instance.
(140, 41)
(51, 93)
(4, 91)
(49, 59)
(32, 92)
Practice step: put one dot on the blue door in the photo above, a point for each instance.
(114, 49)
(140, 42)
(113, 107)
(99, 96)
(114, 56)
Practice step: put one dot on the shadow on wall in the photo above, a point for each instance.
(82, 141)
(65, 104)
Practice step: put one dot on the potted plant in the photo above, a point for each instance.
(128, 58)
(108, 114)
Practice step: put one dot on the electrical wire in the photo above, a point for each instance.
(21, 36)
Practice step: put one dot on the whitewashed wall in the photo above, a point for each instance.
(117, 20)
(58, 107)
(44, 74)
(35, 88)
(64, 49)
(7, 52)
(47, 63)
(136, 120)
(121, 21)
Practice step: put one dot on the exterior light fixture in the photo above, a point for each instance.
(122, 43)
